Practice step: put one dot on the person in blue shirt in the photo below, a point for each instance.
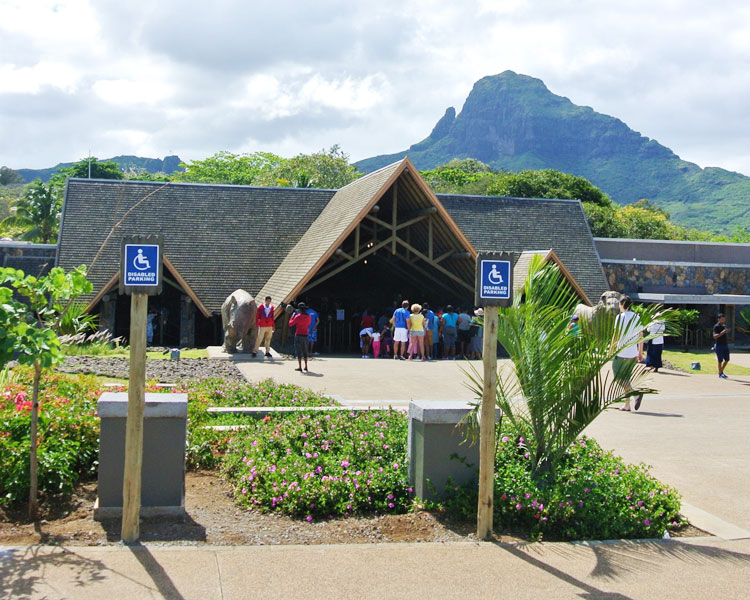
(430, 326)
(312, 334)
(401, 330)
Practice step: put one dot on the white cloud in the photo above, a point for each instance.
(295, 76)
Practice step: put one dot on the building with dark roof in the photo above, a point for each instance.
(382, 238)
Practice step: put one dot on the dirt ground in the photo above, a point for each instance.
(213, 518)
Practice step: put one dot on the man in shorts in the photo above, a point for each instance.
(628, 326)
(301, 322)
(721, 333)
(401, 330)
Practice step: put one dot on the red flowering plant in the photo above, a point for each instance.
(67, 439)
(28, 334)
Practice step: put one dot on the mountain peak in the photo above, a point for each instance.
(512, 122)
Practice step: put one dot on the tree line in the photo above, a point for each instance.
(32, 212)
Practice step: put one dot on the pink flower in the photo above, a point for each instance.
(308, 518)
(345, 463)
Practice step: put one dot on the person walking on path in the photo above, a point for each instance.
(721, 347)
(628, 327)
(266, 326)
(301, 322)
(653, 354)
(400, 330)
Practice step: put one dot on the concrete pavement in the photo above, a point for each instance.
(693, 433)
(698, 568)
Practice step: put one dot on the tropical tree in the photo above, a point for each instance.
(8, 176)
(560, 377)
(27, 332)
(235, 169)
(38, 211)
(325, 169)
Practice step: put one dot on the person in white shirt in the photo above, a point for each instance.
(653, 354)
(628, 326)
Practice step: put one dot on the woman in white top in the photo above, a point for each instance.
(653, 354)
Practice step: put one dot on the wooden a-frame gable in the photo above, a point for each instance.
(391, 210)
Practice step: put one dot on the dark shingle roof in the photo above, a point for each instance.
(218, 237)
(521, 224)
(223, 237)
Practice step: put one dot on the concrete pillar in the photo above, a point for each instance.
(187, 322)
(435, 449)
(107, 313)
(163, 470)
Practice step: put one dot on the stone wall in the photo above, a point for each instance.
(636, 277)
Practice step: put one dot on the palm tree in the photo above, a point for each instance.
(560, 381)
(39, 210)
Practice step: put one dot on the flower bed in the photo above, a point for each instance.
(206, 447)
(322, 465)
(68, 435)
(595, 495)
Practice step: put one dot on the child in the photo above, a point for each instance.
(375, 344)
(386, 341)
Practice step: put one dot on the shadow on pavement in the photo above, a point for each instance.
(156, 572)
(22, 570)
(615, 559)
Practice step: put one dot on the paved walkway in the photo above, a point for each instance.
(694, 433)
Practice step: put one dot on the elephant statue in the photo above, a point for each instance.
(593, 318)
(238, 321)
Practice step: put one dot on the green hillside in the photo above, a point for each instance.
(513, 122)
(168, 165)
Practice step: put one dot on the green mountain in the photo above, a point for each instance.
(513, 122)
(168, 165)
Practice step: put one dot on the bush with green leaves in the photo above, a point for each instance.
(595, 495)
(206, 447)
(322, 464)
(67, 439)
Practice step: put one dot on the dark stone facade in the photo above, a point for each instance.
(677, 279)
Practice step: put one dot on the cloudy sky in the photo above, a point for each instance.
(192, 78)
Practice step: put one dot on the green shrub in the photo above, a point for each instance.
(322, 465)
(68, 435)
(206, 447)
(595, 495)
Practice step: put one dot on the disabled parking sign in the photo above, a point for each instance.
(494, 281)
(141, 265)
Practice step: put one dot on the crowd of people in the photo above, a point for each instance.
(416, 332)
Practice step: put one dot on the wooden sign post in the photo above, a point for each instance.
(494, 277)
(140, 277)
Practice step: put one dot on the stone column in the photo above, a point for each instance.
(107, 314)
(187, 322)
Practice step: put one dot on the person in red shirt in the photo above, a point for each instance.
(301, 322)
(266, 326)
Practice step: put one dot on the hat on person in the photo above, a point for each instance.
(479, 312)
(574, 318)
(301, 305)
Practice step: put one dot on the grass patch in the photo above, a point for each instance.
(706, 358)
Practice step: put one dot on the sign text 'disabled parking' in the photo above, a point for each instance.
(494, 279)
(141, 265)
